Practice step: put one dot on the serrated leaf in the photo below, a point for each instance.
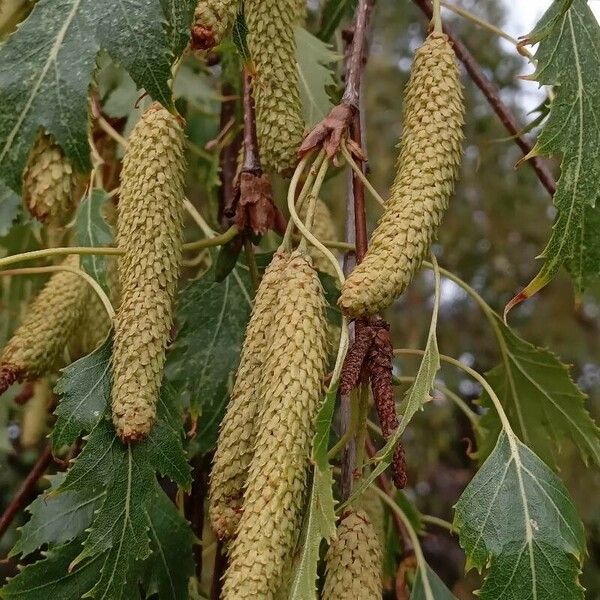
(211, 320)
(315, 74)
(84, 391)
(10, 207)
(57, 519)
(179, 14)
(542, 403)
(93, 231)
(239, 32)
(320, 515)
(171, 564)
(416, 397)
(515, 519)
(428, 586)
(568, 57)
(52, 88)
(51, 576)
(333, 12)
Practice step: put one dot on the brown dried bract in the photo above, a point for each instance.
(203, 38)
(255, 208)
(8, 375)
(329, 132)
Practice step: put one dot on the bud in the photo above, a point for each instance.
(49, 183)
(50, 321)
(294, 369)
(212, 21)
(149, 229)
(429, 161)
(353, 561)
(237, 437)
(272, 45)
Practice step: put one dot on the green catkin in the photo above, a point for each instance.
(272, 45)
(49, 322)
(212, 21)
(49, 183)
(428, 164)
(292, 391)
(149, 229)
(237, 436)
(353, 561)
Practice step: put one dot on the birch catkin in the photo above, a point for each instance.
(292, 391)
(49, 183)
(149, 229)
(353, 561)
(272, 45)
(430, 154)
(212, 20)
(48, 324)
(235, 446)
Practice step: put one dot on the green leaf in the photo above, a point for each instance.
(239, 32)
(50, 578)
(568, 56)
(315, 74)
(320, 515)
(84, 390)
(428, 586)
(54, 92)
(10, 207)
(333, 12)
(516, 520)
(211, 320)
(93, 231)
(179, 14)
(171, 564)
(542, 403)
(56, 519)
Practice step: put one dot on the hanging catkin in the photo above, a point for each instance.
(48, 324)
(353, 560)
(149, 229)
(430, 154)
(49, 183)
(212, 20)
(292, 390)
(272, 45)
(235, 446)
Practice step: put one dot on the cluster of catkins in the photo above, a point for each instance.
(272, 45)
(259, 473)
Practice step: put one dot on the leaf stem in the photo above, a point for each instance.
(359, 173)
(252, 267)
(433, 520)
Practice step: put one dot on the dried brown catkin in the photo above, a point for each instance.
(237, 436)
(353, 560)
(49, 182)
(429, 161)
(292, 391)
(272, 45)
(149, 229)
(48, 325)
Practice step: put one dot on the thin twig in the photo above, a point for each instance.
(251, 154)
(493, 97)
(23, 496)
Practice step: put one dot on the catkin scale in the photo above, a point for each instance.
(49, 322)
(212, 21)
(428, 164)
(149, 229)
(49, 182)
(353, 560)
(272, 45)
(292, 390)
(237, 436)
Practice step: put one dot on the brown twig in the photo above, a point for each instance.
(22, 497)
(251, 154)
(493, 97)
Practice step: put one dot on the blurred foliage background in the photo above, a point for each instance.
(498, 222)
